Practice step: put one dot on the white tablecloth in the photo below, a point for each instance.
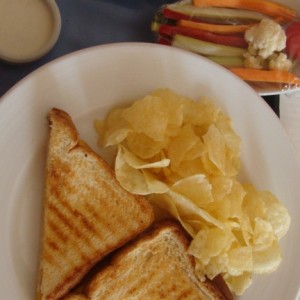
(290, 117)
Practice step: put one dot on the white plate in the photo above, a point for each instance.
(89, 83)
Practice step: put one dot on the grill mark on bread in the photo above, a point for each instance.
(53, 257)
(52, 245)
(111, 223)
(49, 258)
(107, 224)
(79, 216)
(53, 252)
(75, 215)
(68, 222)
(57, 234)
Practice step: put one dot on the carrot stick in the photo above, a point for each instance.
(266, 7)
(216, 28)
(266, 75)
(223, 39)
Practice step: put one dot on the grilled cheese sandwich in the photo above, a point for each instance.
(155, 266)
(87, 214)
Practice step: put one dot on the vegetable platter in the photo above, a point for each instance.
(258, 40)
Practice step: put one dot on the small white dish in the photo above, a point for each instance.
(29, 29)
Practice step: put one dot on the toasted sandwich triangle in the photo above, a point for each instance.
(87, 214)
(154, 266)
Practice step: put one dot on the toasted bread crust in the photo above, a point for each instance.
(87, 214)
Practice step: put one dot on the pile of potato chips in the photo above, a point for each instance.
(185, 156)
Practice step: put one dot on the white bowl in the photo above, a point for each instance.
(29, 29)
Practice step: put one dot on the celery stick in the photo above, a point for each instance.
(205, 48)
(216, 12)
(228, 61)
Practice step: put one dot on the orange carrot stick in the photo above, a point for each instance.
(266, 7)
(266, 75)
(216, 28)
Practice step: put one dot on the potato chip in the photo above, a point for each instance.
(209, 167)
(182, 143)
(246, 231)
(265, 205)
(253, 206)
(173, 104)
(202, 112)
(240, 259)
(148, 116)
(188, 209)
(172, 130)
(185, 156)
(216, 148)
(266, 260)
(217, 265)
(130, 178)
(263, 234)
(130, 174)
(143, 146)
(239, 284)
(229, 207)
(195, 187)
(232, 140)
(221, 186)
(152, 114)
(197, 224)
(196, 150)
(113, 130)
(276, 214)
(220, 209)
(188, 168)
(210, 242)
(155, 185)
(138, 163)
(165, 203)
(236, 197)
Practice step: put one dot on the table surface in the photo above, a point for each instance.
(87, 23)
(290, 117)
